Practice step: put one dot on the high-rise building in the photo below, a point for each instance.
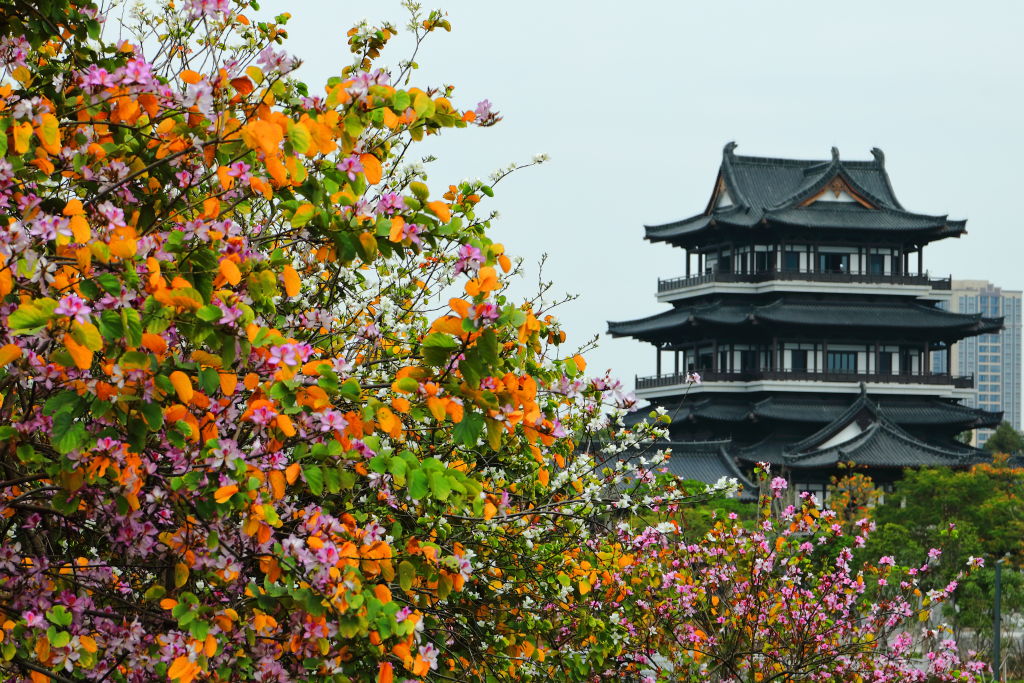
(806, 308)
(994, 358)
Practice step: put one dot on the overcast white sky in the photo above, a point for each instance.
(634, 101)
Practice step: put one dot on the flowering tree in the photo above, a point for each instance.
(780, 601)
(242, 437)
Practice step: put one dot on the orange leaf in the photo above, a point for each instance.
(8, 353)
(230, 271)
(284, 423)
(242, 84)
(292, 283)
(182, 386)
(228, 383)
(441, 210)
(397, 229)
(386, 673)
(190, 77)
(371, 168)
(291, 473)
(154, 342)
(80, 354)
(277, 484)
(543, 476)
(222, 494)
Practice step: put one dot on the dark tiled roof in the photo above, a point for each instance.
(772, 191)
(667, 326)
(880, 443)
(705, 461)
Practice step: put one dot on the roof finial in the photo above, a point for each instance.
(879, 156)
(835, 154)
(729, 147)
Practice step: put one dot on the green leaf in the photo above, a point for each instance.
(65, 401)
(437, 348)
(468, 431)
(132, 325)
(439, 486)
(209, 313)
(379, 464)
(351, 390)
(406, 573)
(209, 380)
(59, 615)
(398, 468)
(417, 484)
(58, 638)
(110, 283)
(31, 316)
(66, 434)
(314, 477)
(299, 136)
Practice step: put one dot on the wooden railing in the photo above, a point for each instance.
(960, 382)
(839, 278)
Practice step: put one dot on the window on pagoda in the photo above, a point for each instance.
(876, 264)
(885, 363)
(842, 361)
(799, 360)
(791, 262)
(760, 261)
(833, 263)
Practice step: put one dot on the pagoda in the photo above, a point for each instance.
(816, 332)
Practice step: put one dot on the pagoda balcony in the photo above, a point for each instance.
(840, 278)
(934, 379)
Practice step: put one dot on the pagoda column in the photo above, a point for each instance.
(926, 361)
(687, 263)
(920, 260)
(714, 355)
(677, 359)
(657, 361)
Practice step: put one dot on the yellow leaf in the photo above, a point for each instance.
(180, 574)
(182, 386)
(49, 134)
(22, 134)
(584, 587)
(292, 283)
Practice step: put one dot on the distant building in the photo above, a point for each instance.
(806, 308)
(993, 358)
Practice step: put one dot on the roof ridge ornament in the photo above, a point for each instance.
(835, 154)
(879, 156)
(729, 147)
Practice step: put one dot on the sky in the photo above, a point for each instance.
(634, 102)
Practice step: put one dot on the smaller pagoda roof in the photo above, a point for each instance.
(794, 193)
(891, 315)
(861, 435)
(707, 462)
(905, 411)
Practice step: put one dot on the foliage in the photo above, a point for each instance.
(1005, 439)
(267, 412)
(770, 603)
(970, 512)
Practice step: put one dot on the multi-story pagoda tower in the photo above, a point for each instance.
(806, 310)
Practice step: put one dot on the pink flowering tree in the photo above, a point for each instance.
(778, 600)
